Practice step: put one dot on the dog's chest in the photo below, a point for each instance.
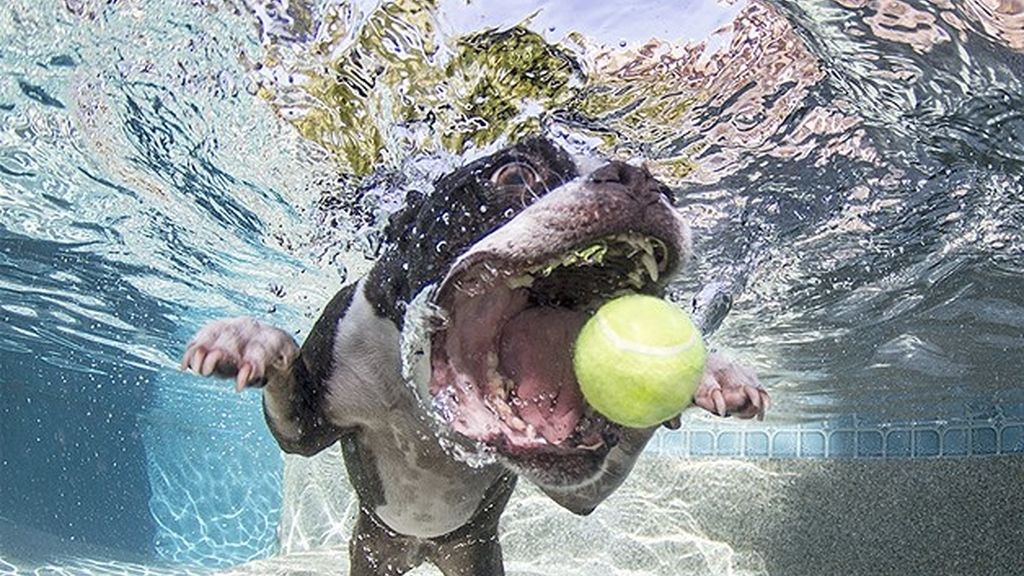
(395, 460)
(422, 491)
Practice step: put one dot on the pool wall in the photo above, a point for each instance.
(987, 432)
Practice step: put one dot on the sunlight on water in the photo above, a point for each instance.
(654, 527)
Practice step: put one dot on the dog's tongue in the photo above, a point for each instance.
(536, 353)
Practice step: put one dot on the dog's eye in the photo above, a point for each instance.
(520, 179)
(515, 174)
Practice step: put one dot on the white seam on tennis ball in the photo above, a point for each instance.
(631, 346)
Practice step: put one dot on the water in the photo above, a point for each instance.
(853, 170)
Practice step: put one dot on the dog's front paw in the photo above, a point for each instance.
(728, 388)
(240, 348)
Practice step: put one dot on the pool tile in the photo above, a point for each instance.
(926, 443)
(983, 441)
(869, 444)
(897, 444)
(1013, 412)
(728, 444)
(702, 443)
(663, 443)
(812, 444)
(1012, 440)
(756, 444)
(784, 444)
(842, 443)
(954, 442)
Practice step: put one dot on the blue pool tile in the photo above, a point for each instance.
(784, 444)
(897, 444)
(869, 443)
(672, 442)
(983, 441)
(728, 444)
(756, 444)
(954, 442)
(842, 443)
(812, 444)
(1013, 439)
(1013, 412)
(661, 443)
(926, 443)
(702, 443)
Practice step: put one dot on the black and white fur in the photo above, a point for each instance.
(418, 502)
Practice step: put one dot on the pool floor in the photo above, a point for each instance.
(786, 517)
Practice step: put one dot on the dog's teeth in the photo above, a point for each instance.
(508, 415)
(635, 280)
(522, 281)
(505, 412)
(498, 386)
(651, 265)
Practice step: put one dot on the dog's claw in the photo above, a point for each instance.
(719, 401)
(210, 362)
(242, 379)
(727, 388)
(755, 397)
(197, 359)
(240, 348)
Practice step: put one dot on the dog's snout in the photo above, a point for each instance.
(621, 173)
(637, 181)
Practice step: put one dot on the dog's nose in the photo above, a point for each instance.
(621, 173)
(638, 182)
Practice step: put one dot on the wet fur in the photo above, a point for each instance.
(417, 502)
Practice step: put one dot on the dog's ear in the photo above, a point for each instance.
(399, 227)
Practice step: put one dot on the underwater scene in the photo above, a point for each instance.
(851, 171)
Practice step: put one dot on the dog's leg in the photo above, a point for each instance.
(728, 388)
(257, 355)
(479, 555)
(583, 499)
(474, 549)
(375, 550)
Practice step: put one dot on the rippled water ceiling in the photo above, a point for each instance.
(850, 167)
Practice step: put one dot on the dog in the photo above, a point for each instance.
(445, 373)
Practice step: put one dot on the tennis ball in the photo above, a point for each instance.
(639, 360)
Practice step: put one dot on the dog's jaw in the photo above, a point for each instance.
(508, 309)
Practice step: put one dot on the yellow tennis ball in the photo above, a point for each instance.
(639, 360)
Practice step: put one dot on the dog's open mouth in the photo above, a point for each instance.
(502, 372)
